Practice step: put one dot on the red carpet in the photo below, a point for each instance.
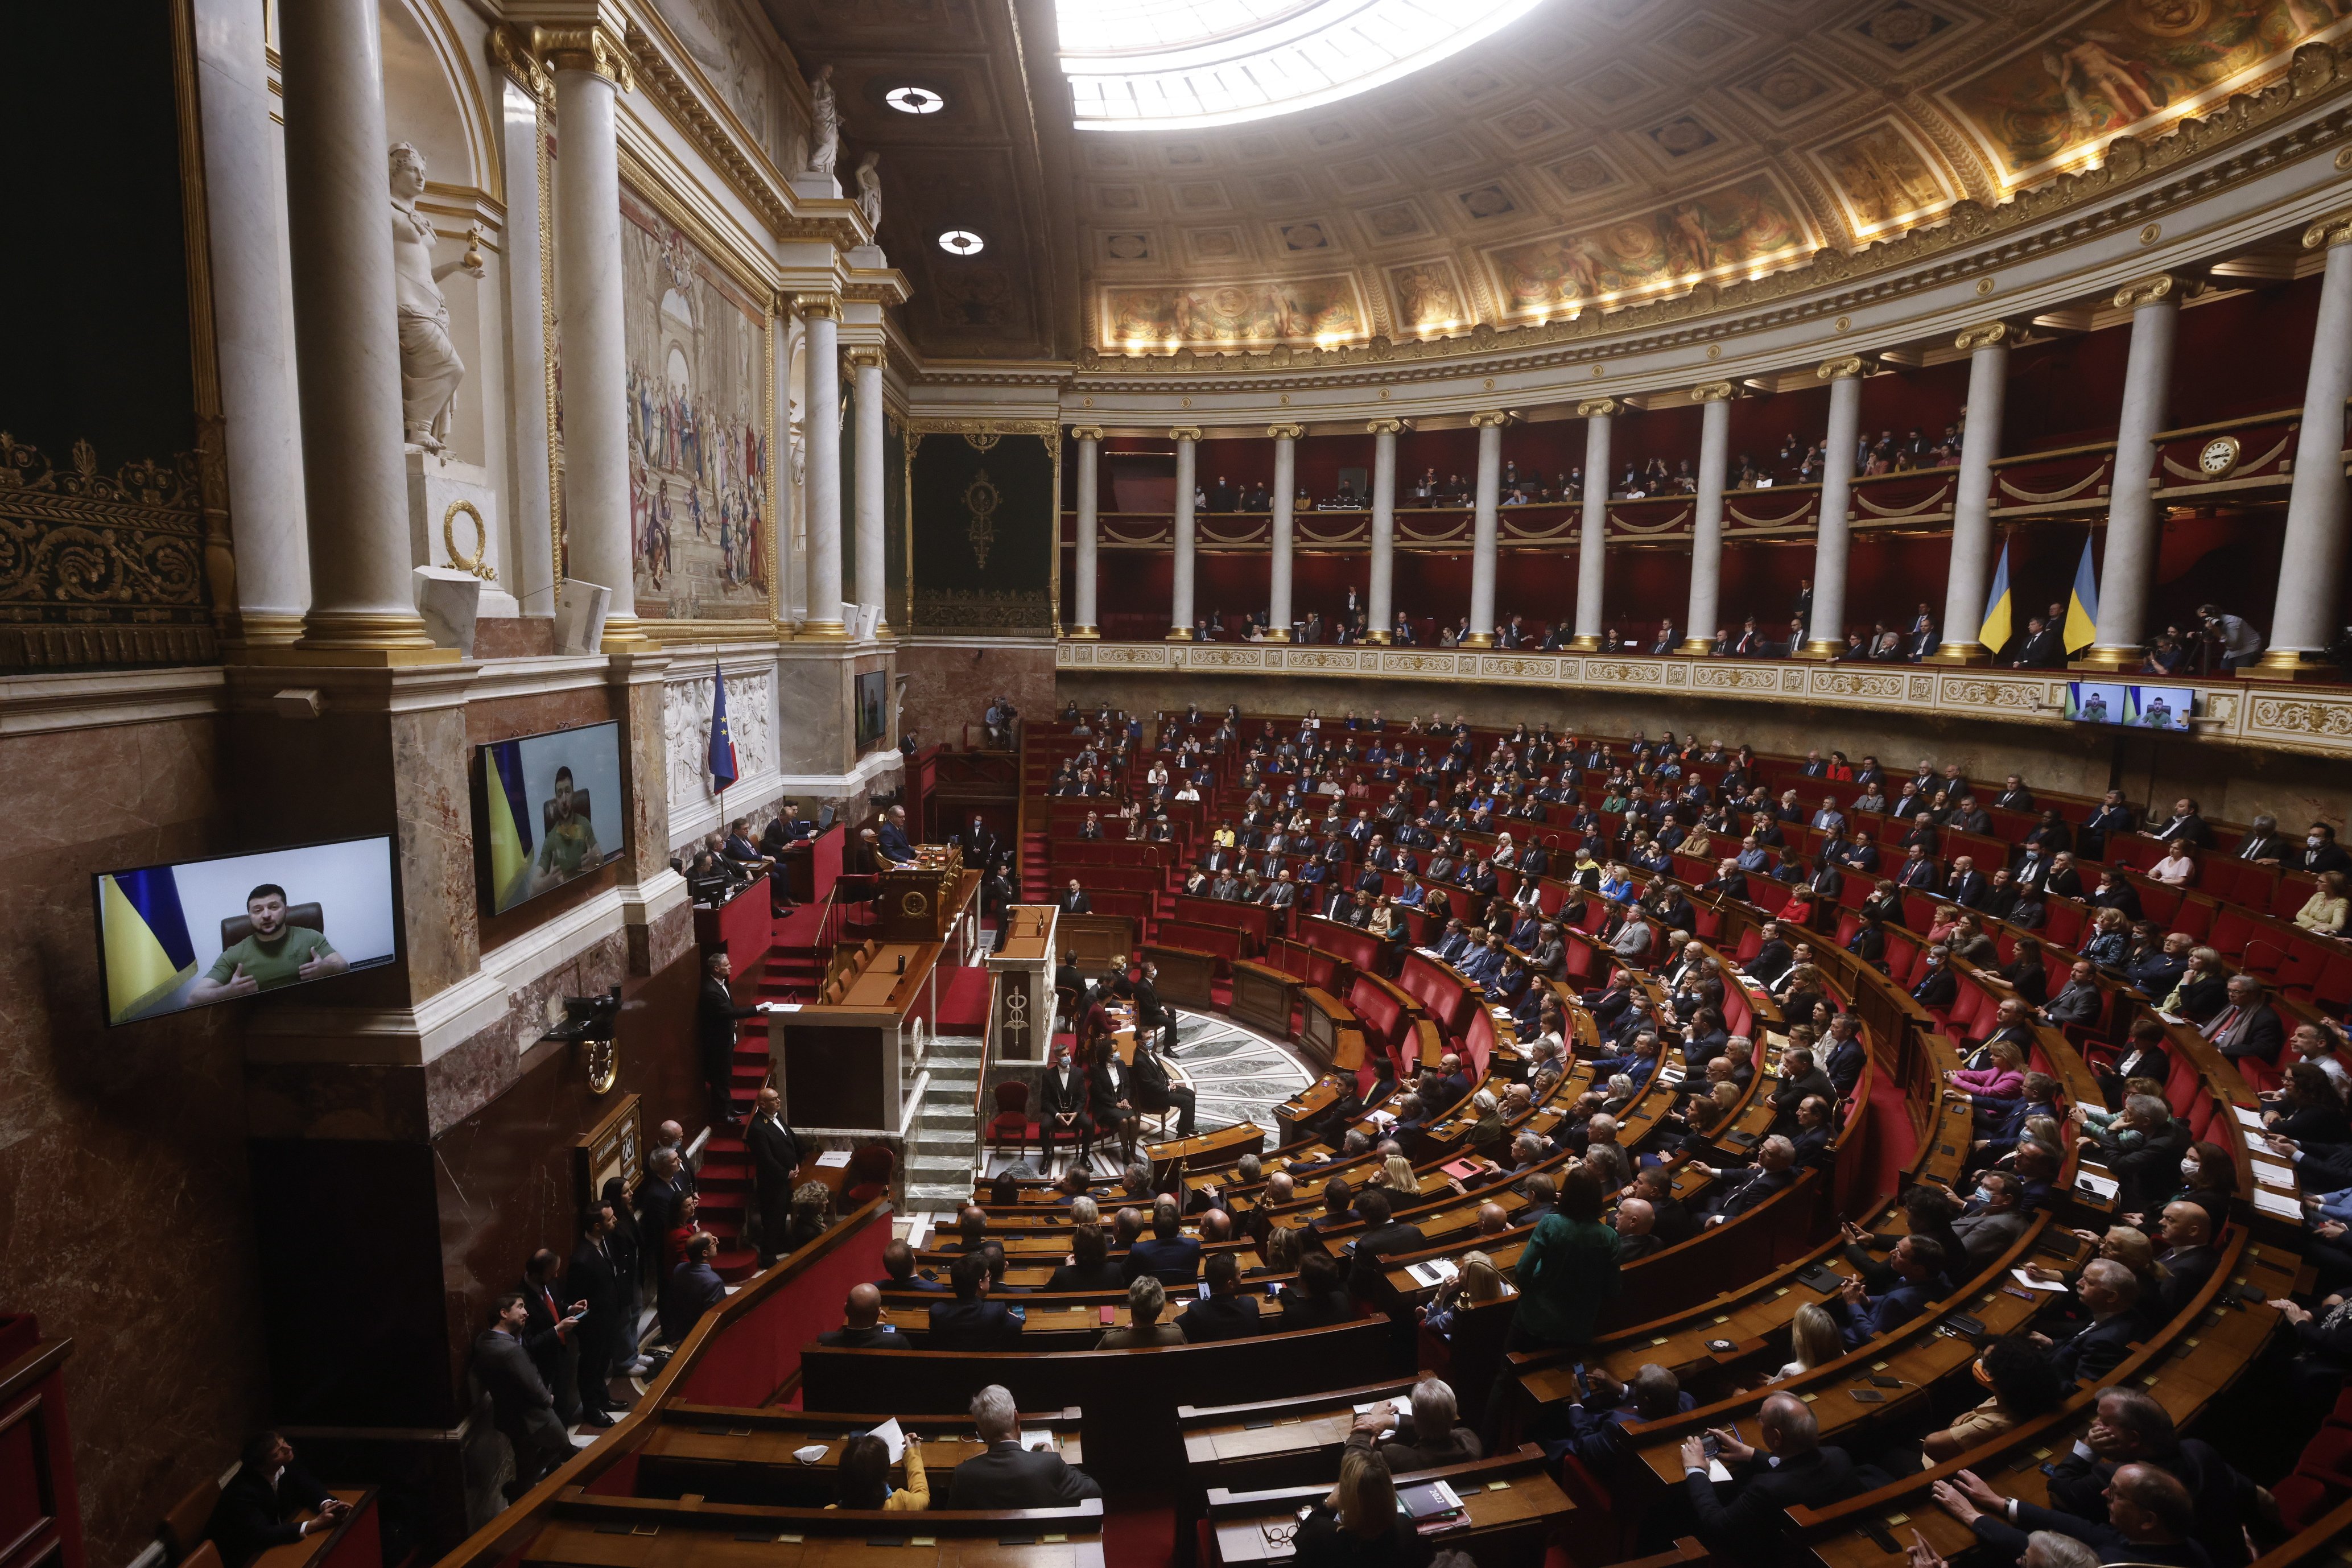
(964, 1007)
(801, 927)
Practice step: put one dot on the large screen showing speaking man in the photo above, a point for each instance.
(200, 931)
(550, 809)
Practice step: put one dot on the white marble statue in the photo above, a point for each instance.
(824, 124)
(430, 370)
(869, 190)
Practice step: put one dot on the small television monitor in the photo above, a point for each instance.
(873, 709)
(2159, 707)
(2097, 701)
(548, 810)
(194, 933)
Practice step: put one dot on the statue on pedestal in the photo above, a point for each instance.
(824, 124)
(869, 190)
(430, 370)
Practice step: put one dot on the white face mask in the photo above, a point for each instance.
(2189, 1169)
(2314, 841)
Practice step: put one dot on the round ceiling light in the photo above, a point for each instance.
(914, 101)
(962, 242)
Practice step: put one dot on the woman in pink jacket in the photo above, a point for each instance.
(2004, 1079)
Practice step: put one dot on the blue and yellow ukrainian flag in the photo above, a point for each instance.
(511, 837)
(1994, 633)
(148, 954)
(2083, 605)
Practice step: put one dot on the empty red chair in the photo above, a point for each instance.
(1012, 1119)
(870, 1170)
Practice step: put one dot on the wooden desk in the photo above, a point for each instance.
(743, 927)
(1512, 1507)
(850, 1063)
(1184, 975)
(1096, 942)
(587, 1530)
(356, 1542)
(751, 1455)
(1263, 998)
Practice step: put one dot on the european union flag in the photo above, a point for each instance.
(722, 740)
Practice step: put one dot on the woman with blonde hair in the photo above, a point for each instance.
(1400, 1177)
(1358, 1521)
(1478, 1280)
(2325, 911)
(1280, 1251)
(2003, 1079)
(1813, 1340)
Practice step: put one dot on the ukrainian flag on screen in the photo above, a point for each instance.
(509, 825)
(148, 954)
(1994, 633)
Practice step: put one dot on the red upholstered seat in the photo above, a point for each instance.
(1383, 1015)
(1012, 1119)
(870, 1170)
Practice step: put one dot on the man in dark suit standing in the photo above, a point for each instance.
(550, 1333)
(776, 1161)
(1073, 900)
(257, 1508)
(979, 847)
(715, 1018)
(1009, 1475)
(602, 1332)
(521, 1404)
(972, 1322)
(1743, 1518)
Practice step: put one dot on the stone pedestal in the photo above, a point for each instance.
(808, 185)
(450, 602)
(453, 524)
(580, 612)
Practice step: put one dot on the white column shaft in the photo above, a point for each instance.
(1591, 552)
(1379, 616)
(597, 543)
(1180, 608)
(823, 472)
(1485, 528)
(1089, 470)
(2128, 564)
(530, 528)
(872, 574)
(1832, 541)
(346, 319)
(1967, 577)
(252, 320)
(1706, 521)
(2311, 564)
(1285, 486)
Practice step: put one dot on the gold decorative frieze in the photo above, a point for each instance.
(596, 47)
(2333, 230)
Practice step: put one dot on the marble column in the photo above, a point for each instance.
(1485, 528)
(2311, 560)
(1180, 610)
(253, 335)
(1592, 545)
(1285, 487)
(2127, 565)
(821, 479)
(363, 601)
(1706, 518)
(590, 67)
(1089, 439)
(1831, 540)
(1379, 615)
(529, 270)
(873, 586)
(1965, 580)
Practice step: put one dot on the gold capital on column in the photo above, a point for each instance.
(1596, 407)
(1185, 433)
(1839, 369)
(807, 305)
(511, 48)
(858, 358)
(1384, 427)
(1085, 432)
(2333, 230)
(2149, 291)
(1286, 432)
(1495, 418)
(597, 47)
(1713, 392)
(1983, 335)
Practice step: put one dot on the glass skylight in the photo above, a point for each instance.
(1160, 65)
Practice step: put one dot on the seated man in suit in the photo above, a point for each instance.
(898, 1271)
(1009, 1475)
(1918, 1262)
(1742, 1519)
(257, 1508)
(862, 1327)
(1428, 1434)
(1167, 1254)
(1381, 1235)
(1223, 1313)
(2150, 1519)
(972, 1322)
(1995, 1220)
(1637, 1235)
(2110, 1292)
(1774, 1172)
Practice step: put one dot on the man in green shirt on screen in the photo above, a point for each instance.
(570, 843)
(274, 954)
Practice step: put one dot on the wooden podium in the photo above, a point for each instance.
(919, 902)
(1020, 1013)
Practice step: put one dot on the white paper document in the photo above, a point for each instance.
(2274, 1173)
(1716, 1472)
(892, 1437)
(2248, 1116)
(1042, 1441)
(2031, 1283)
(832, 1159)
(2097, 1186)
(1436, 1271)
(2279, 1204)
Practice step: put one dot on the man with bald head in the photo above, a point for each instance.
(2150, 1519)
(1636, 1236)
(1742, 1519)
(862, 1328)
(1493, 1220)
(1280, 1188)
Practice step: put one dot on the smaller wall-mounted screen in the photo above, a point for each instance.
(873, 709)
(549, 810)
(2097, 701)
(200, 931)
(2159, 707)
